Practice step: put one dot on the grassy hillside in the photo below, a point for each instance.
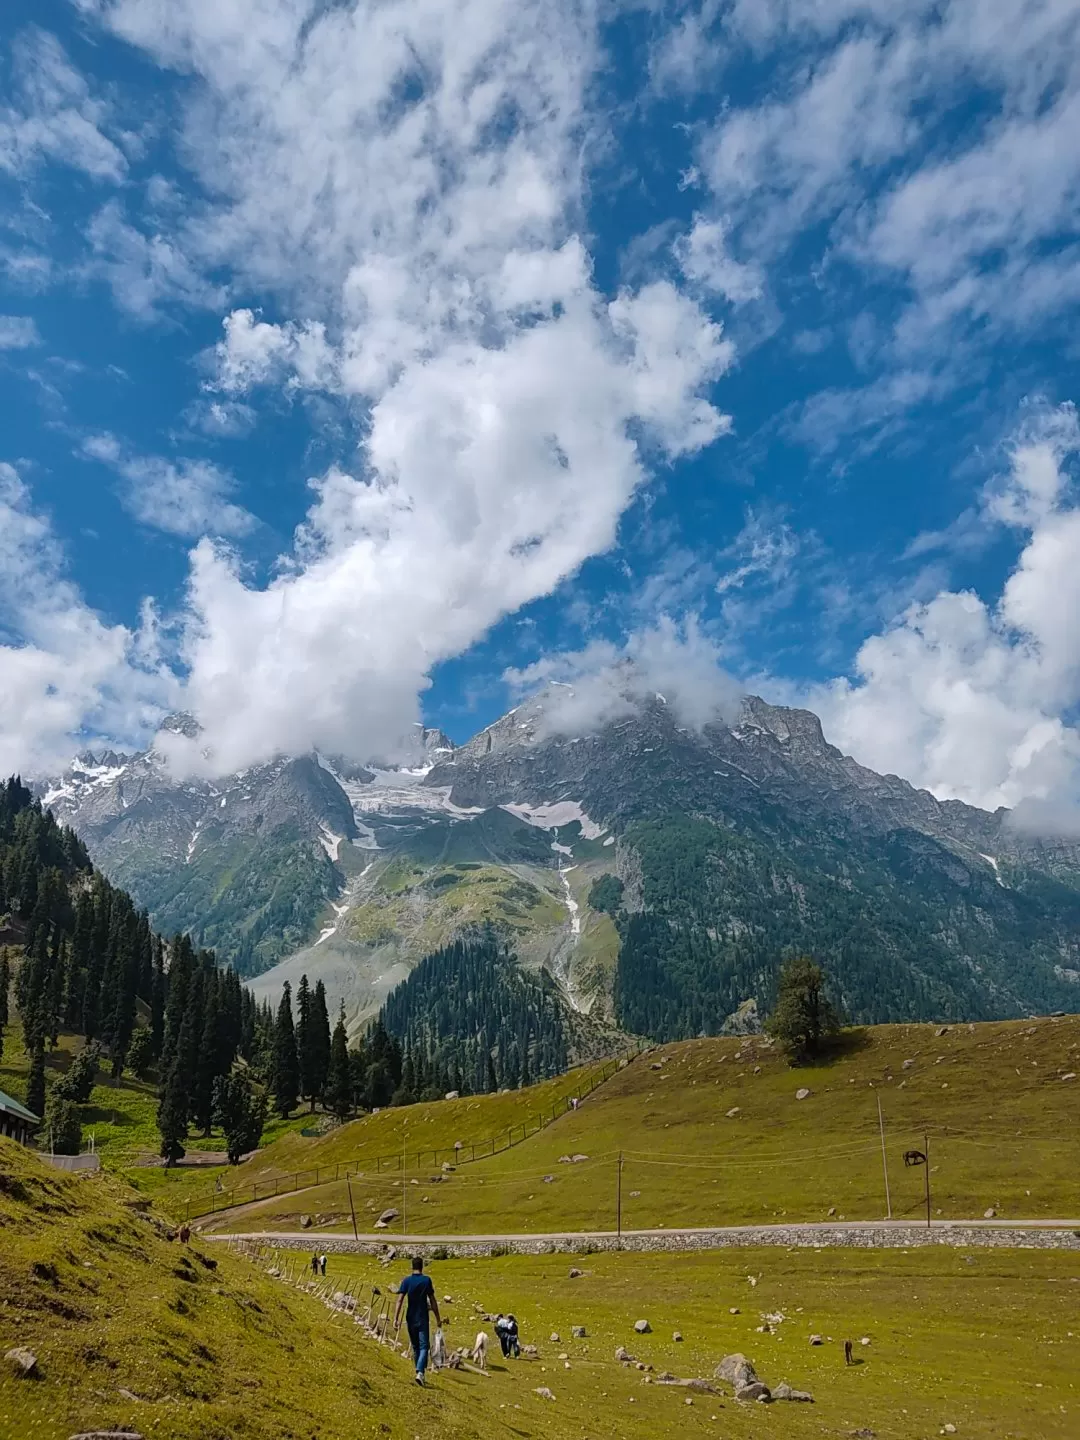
(415, 1128)
(193, 1343)
(121, 1115)
(132, 1330)
(1001, 1122)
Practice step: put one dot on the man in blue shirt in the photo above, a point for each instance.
(417, 1292)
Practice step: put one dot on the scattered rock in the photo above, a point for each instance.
(677, 1336)
(577, 1159)
(554, 1337)
(948, 1429)
(623, 1356)
(1070, 1076)
(387, 1216)
(865, 1340)
(129, 1395)
(941, 1030)
(564, 1356)
(530, 1351)
(305, 1222)
(907, 1064)
(734, 1310)
(802, 1093)
(575, 1273)
(446, 1167)
(733, 1112)
(107, 1435)
(832, 1209)
(577, 1332)
(634, 1194)
(564, 1159)
(756, 1390)
(22, 1361)
(736, 1369)
(989, 1214)
(816, 1340)
(783, 1391)
(548, 1179)
(643, 1327)
(452, 1095)
(544, 1393)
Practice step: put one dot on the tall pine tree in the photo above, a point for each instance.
(339, 1087)
(285, 1076)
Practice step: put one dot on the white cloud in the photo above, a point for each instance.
(183, 497)
(603, 682)
(255, 352)
(18, 332)
(404, 181)
(977, 701)
(68, 674)
(144, 272)
(54, 117)
(704, 257)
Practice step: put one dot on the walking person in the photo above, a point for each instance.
(417, 1293)
(315, 1264)
(322, 1263)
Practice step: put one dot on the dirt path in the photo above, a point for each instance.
(869, 1234)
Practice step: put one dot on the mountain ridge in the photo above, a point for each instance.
(361, 869)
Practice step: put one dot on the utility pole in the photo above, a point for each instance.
(618, 1200)
(352, 1209)
(926, 1152)
(884, 1162)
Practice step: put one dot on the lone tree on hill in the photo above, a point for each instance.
(803, 1018)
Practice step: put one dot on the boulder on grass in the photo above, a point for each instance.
(756, 1390)
(736, 1370)
(577, 1332)
(22, 1362)
(783, 1391)
(643, 1327)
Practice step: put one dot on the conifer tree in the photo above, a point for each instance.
(339, 1087)
(320, 1041)
(285, 1076)
(240, 1110)
(35, 1085)
(158, 997)
(306, 1048)
(172, 1114)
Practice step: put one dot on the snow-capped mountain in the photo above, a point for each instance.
(719, 851)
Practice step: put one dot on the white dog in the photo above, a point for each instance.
(478, 1355)
(438, 1350)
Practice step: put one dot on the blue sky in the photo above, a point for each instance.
(367, 362)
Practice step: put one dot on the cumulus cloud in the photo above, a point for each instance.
(978, 701)
(181, 497)
(68, 674)
(673, 659)
(403, 181)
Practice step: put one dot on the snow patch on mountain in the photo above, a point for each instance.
(556, 815)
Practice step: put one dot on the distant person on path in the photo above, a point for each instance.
(417, 1291)
(314, 1264)
(322, 1263)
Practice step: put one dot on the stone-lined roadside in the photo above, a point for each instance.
(881, 1236)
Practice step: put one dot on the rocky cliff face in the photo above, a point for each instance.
(736, 844)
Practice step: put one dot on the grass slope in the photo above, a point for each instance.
(1000, 1117)
(121, 1115)
(471, 1119)
(131, 1330)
